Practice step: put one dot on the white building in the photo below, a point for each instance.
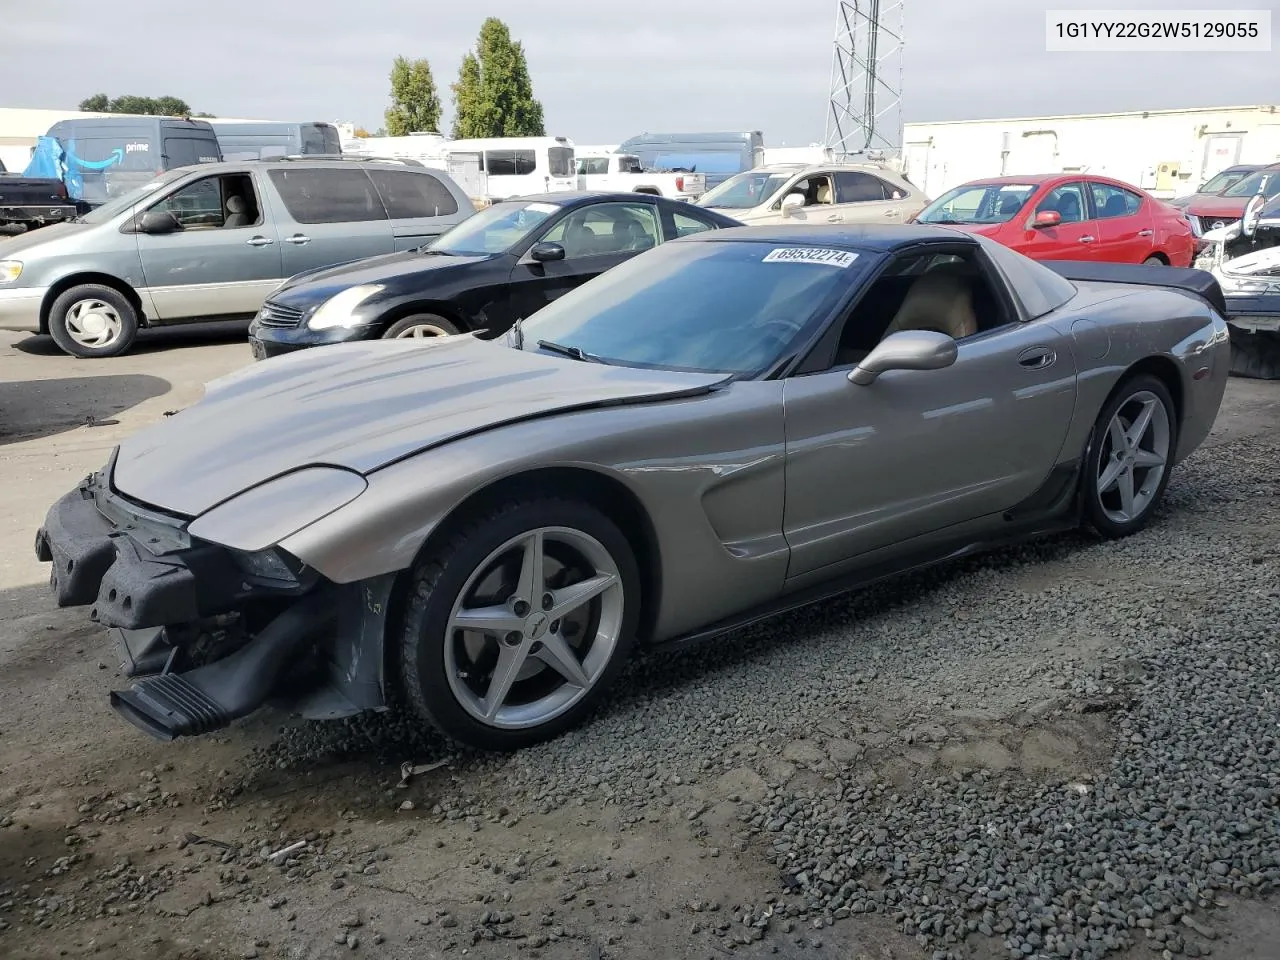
(1168, 152)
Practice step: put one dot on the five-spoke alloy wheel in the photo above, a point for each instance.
(1130, 457)
(520, 623)
(420, 325)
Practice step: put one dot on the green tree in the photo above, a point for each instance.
(129, 103)
(415, 104)
(469, 118)
(494, 93)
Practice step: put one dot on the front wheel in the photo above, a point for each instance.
(420, 325)
(92, 320)
(520, 623)
(1130, 457)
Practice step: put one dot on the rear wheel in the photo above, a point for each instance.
(1154, 262)
(520, 623)
(420, 325)
(92, 320)
(1130, 457)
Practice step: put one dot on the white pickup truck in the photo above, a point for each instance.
(624, 173)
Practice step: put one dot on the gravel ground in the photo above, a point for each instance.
(1064, 750)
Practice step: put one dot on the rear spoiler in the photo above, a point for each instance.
(1200, 282)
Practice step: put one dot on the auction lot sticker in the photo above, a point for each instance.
(834, 258)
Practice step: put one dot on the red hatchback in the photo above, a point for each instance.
(1069, 216)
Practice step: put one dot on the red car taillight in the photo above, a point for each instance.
(680, 184)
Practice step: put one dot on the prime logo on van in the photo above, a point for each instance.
(137, 147)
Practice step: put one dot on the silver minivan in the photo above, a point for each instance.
(210, 242)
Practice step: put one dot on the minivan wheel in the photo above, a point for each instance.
(420, 325)
(93, 321)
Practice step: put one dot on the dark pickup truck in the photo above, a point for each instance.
(31, 202)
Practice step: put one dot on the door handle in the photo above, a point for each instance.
(1087, 238)
(834, 218)
(891, 213)
(297, 238)
(1144, 233)
(259, 241)
(1036, 358)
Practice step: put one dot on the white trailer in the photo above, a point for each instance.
(1168, 152)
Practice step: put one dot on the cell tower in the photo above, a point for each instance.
(865, 112)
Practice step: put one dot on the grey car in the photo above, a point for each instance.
(728, 425)
(211, 242)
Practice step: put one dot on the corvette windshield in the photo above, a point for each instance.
(495, 229)
(980, 203)
(719, 307)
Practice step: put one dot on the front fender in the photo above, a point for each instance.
(708, 472)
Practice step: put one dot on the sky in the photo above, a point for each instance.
(608, 70)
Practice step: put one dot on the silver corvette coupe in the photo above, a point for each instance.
(730, 425)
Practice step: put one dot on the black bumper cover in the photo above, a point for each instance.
(95, 563)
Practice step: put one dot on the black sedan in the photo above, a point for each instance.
(502, 264)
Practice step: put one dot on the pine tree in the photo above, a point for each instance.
(415, 104)
(494, 93)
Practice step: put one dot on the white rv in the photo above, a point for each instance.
(516, 166)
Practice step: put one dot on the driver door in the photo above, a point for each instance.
(595, 238)
(870, 468)
(217, 264)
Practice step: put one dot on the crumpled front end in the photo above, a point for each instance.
(210, 633)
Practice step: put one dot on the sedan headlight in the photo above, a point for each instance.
(10, 270)
(336, 312)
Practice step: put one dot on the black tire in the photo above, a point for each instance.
(1255, 355)
(117, 301)
(439, 577)
(1095, 515)
(397, 329)
(1154, 262)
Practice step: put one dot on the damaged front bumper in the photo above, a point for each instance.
(139, 568)
(163, 593)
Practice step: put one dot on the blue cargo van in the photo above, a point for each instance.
(270, 139)
(717, 155)
(109, 156)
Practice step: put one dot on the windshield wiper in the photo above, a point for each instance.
(577, 353)
(941, 221)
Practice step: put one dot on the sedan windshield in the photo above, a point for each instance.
(118, 205)
(493, 230)
(729, 307)
(979, 203)
(744, 191)
(1254, 184)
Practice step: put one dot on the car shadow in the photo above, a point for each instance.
(155, 339)
(31, 409)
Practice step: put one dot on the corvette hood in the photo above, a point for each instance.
(361, 406)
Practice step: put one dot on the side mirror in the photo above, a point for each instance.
(1046, 218)
(1252, 214)
(906, 350)
(547, 251)
(158, 221)
(790, 203)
